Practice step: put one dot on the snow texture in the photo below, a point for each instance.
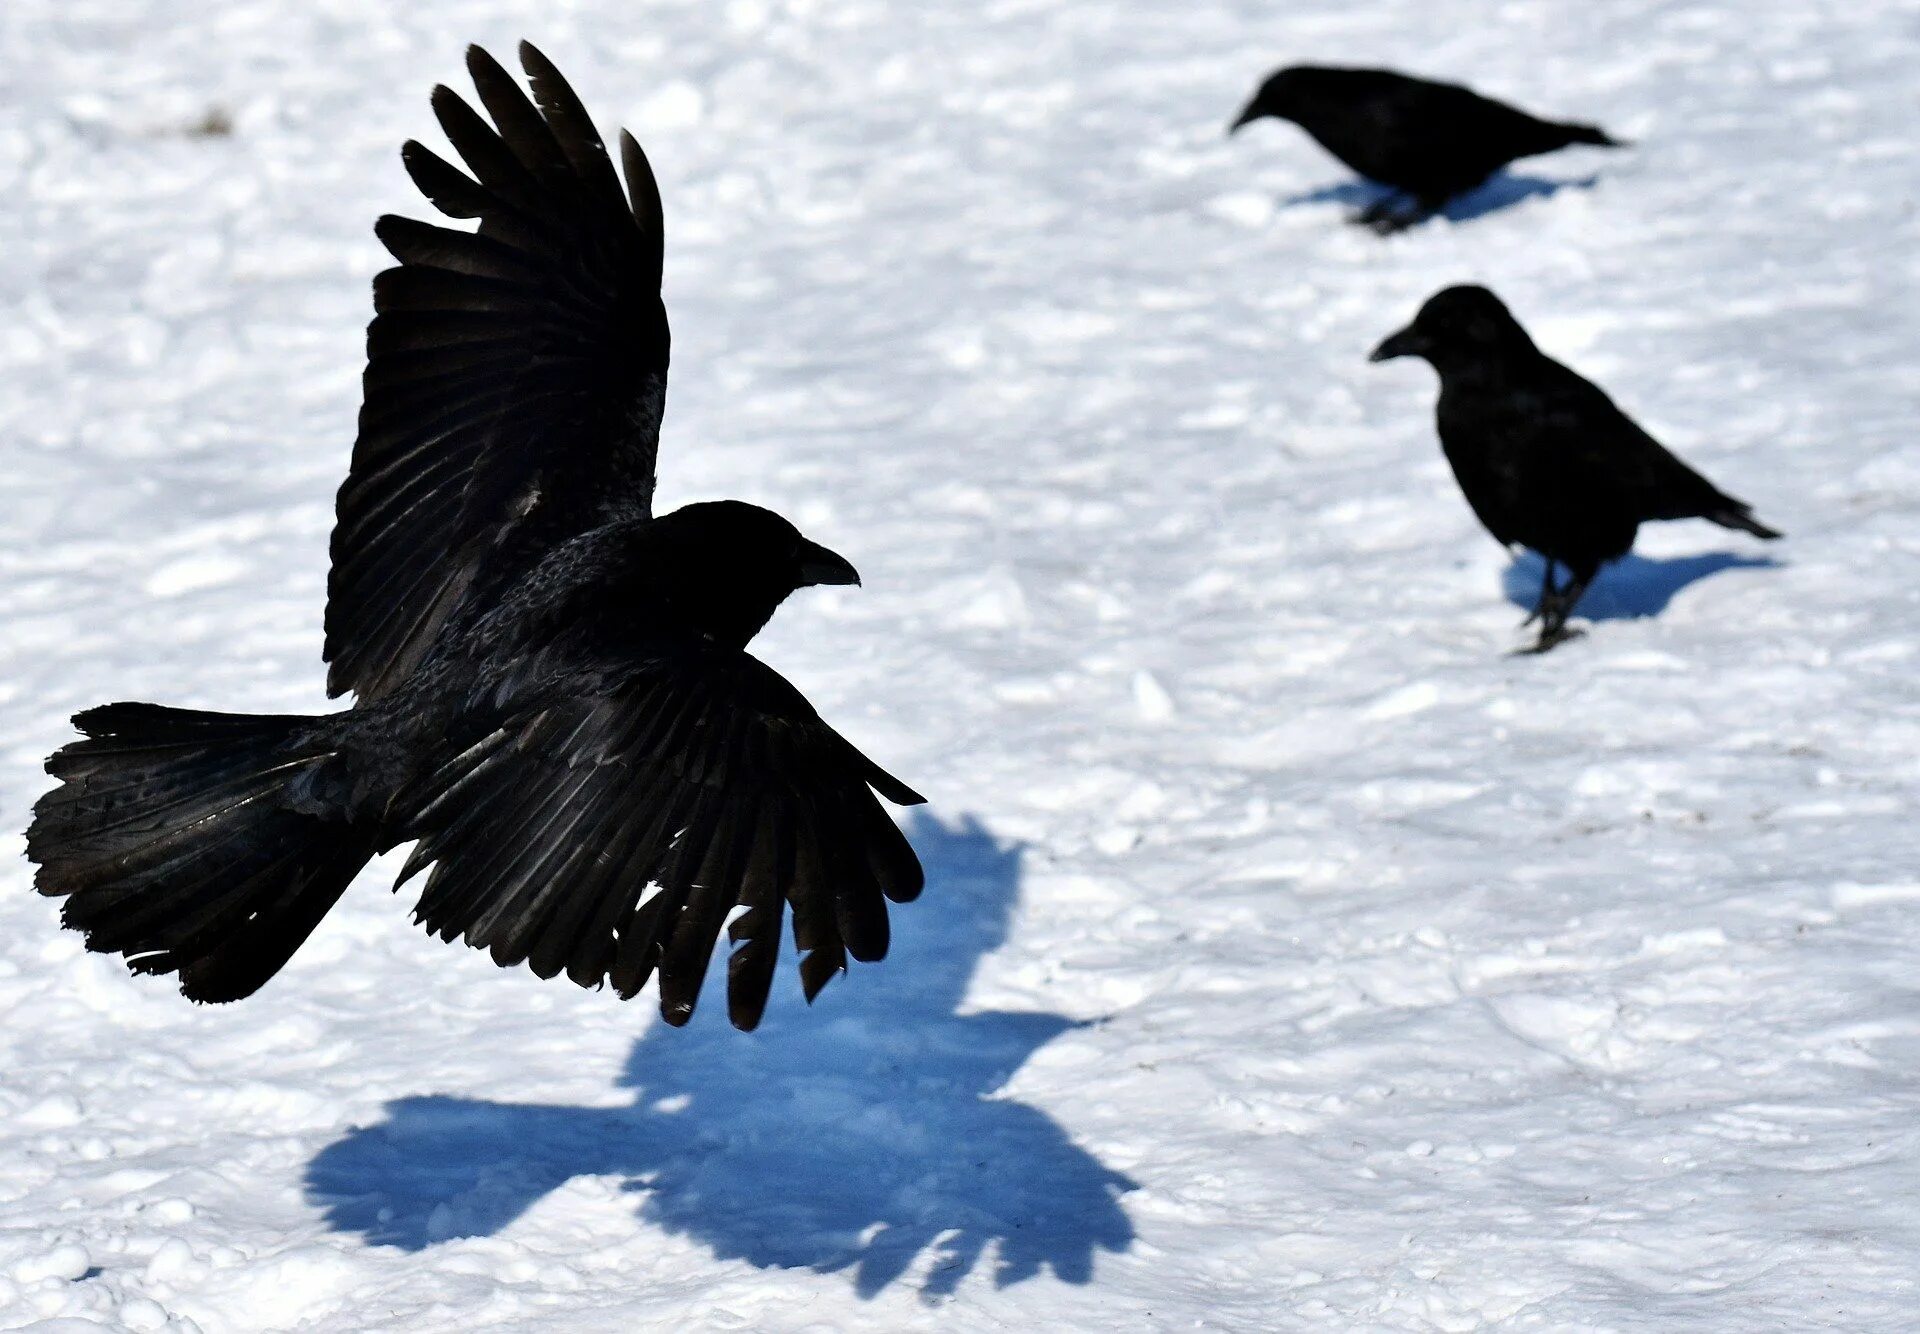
(1293, 957)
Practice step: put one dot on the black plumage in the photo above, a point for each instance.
(1429, 141)
(1547, 461)
(515, 377)
(554, 697)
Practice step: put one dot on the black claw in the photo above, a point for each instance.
(1548, 640)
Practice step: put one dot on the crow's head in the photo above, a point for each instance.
(726, 565)
(1281, 95)
(1457, 326)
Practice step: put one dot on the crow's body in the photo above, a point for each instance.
(1544, 457)
(1430, 141)
(555, 698)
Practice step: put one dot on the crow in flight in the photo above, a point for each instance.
(1545, 458)
(554, 698)
(1429, 141)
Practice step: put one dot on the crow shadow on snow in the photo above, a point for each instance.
(850, 1138)
(1499, 191)
(1631, 587)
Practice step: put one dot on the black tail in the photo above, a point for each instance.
(192, 843)
(1738, 515)
(1591, 134)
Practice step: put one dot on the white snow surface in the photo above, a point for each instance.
(1293, 958)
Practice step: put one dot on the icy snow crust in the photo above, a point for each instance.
(1293, 959)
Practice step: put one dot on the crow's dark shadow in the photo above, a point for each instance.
(1631, 587)
(850, 1138)
(1499, 191)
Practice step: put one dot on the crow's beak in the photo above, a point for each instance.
(820, 566)
(1406, 343)
(1247, 117)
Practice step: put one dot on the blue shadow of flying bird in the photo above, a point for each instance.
(853, 1138)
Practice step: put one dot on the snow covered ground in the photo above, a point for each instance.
(1293, 959)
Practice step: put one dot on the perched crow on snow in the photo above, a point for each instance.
(1429, 141)
(554, 694)
(1545, 458)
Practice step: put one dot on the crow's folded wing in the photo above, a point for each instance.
(1615, 454)
(614, 837)
(515, 375)
(1447, 135)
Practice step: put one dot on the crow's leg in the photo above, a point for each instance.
(1553, 620)
(1384, 214)
(1406, 211)
(1547, 590)
(1376, 212)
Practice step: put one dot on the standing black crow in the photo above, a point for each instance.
(1429, 141)
(1545, 458)
(554, 694)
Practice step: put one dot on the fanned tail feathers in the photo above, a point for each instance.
(191, 843)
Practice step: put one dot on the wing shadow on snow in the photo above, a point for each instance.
(851, 1138)
(1631, 587)
(1500, 191)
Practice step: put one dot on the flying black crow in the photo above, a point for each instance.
(1545, 458)
(554, 698)
(1429, 141)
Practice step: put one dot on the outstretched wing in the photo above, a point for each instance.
(615, 835)
(515, 375)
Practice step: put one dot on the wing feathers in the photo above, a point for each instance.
(612, 838)
(644, 191)
(424, 244)
(523, 130)
(446, 187)
(688, 932)
(890, 857)
(530, 354)
(578, 933)
(484, 150)
(573, 129)
(766, 883)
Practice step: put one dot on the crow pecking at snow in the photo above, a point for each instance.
(1545, 458)
(554, 699)
(1429, 141)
